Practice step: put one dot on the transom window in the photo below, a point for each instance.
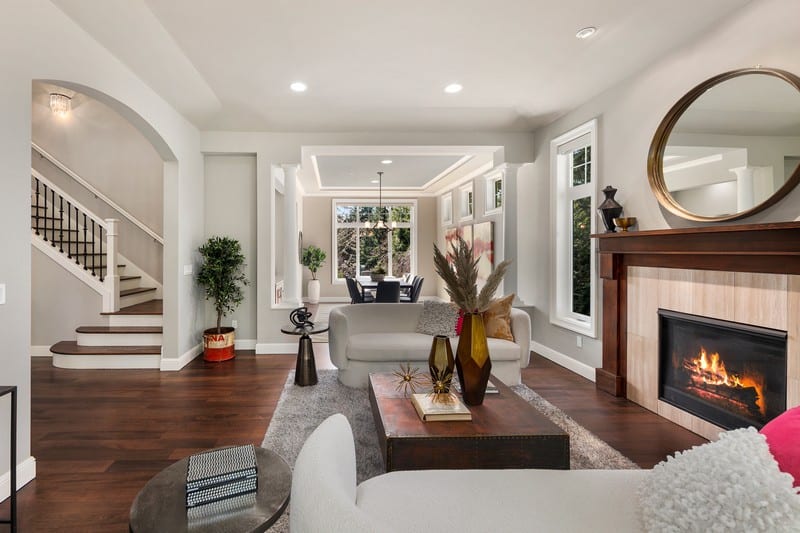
(360, 248)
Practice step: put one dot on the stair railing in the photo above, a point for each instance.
(58, 219)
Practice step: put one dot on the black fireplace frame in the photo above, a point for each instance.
(729, 420)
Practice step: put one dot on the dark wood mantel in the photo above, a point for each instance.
(769, 248)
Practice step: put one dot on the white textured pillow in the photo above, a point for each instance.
(438, 318)
(733, 484)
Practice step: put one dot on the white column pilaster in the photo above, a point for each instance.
(291, 265)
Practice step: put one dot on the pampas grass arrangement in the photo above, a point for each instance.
(461, 278)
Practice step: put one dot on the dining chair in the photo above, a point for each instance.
(388, 292)
(355, 290)
(414, 291)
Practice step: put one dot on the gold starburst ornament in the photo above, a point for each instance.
(409, 377)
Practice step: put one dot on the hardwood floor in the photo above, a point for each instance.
(99, 435)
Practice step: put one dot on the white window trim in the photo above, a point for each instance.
(463, 193)
(491, 179)
(561, 236)
(446, 207)
(371, 201)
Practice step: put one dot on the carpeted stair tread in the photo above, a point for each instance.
(72, 348)
(119, 329)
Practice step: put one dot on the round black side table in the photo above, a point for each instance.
(161, 505)
(306, 370)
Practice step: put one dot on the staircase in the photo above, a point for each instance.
(130, 335)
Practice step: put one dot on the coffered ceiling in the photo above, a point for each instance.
(382, 65)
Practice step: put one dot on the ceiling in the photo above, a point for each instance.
(404, 171)
(382, 65)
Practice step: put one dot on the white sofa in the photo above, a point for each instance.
(366, 338)
(325, 496)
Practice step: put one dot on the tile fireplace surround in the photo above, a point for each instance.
(748, 274)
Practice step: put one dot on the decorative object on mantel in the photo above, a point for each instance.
(750, 108)
(300, 317)
(221, 274)
(409, 378)
(313, 259)
(624, 223)
(441, 364)
(609, 209)
(472, 356)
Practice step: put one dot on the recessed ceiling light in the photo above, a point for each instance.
(298, 87)
(453, 88)
(387, 161)
(374, 181)
(586, 32)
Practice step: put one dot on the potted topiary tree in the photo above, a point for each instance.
(221, 275)
(313, 259)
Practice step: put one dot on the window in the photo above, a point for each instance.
(359, 249)
(447, 209)
(466, 204)
(494, 193)
(573, 166)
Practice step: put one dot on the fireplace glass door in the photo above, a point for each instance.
(730, 374)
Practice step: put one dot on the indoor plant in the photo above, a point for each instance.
(221, 275)
(378, 273)
(313, 259)
(460, 278)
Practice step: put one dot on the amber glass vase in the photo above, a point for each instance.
(441, 364)
(472, 359)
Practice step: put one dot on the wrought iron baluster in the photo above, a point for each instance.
(94, 255)
(77, 236)
(61, 224)
(85, 245)
(69, 229)
(53, 217)
(37, 205)
(102, 276)
(44, 218)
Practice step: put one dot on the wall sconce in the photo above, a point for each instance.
(60, 104)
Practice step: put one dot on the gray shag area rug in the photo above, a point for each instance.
(301, 409)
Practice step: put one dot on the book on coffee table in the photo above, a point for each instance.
(440, 407)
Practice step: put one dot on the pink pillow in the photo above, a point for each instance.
(783, 438)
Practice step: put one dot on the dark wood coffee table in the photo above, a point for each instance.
(505, 432)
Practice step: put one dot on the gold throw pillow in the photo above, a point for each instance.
(497, 319)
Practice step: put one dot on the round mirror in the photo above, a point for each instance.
(730, 147)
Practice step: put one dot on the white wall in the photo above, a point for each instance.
(230, 196)
(60, 302)
(40, 42)
(764, 33)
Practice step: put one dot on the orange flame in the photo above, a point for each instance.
(711, 370)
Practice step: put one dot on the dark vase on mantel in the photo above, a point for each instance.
(609, 209)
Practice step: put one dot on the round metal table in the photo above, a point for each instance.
(305, 372)
(161, 505)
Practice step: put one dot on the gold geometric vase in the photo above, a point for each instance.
(472, 359)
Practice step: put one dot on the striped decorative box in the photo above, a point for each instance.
(219, 474)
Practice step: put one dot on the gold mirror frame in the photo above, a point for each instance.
(655, 157)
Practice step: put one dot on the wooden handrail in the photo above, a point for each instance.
(141, 225)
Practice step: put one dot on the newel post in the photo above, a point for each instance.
(111, 298)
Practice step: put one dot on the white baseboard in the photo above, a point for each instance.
(275, 348)
(26, 472)
(244, 344)
(173, 364)
(41, 351)
(582, 369)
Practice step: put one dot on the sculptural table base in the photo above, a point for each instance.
(305, 373)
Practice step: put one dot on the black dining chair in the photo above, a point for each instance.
(356, 292)
(388, 292)
(414, 292)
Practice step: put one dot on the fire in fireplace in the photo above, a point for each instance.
(730, 374)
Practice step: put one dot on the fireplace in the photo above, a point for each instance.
(730, 374)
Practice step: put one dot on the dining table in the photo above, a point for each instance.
(373, 285)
